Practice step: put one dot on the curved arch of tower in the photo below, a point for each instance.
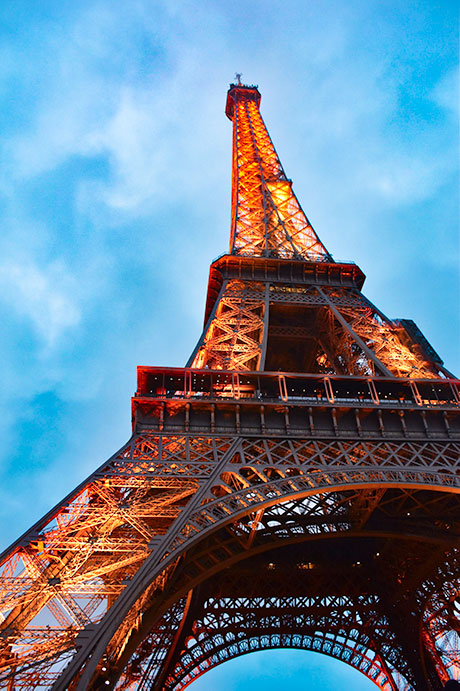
(295, 485)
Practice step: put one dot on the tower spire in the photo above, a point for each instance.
(295, 485)
(267, 219)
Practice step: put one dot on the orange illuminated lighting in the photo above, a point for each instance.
(267, 219)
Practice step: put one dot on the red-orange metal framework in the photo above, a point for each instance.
(295, 485)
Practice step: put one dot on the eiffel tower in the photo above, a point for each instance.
(294, 486)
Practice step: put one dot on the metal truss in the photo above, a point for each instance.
(347, 604)
(324, 593)
(234, 336)
(267, 219)
(230, 627)
(381, 335)
(297, 485)
(439, 597)
(352, 336)
(92, 549)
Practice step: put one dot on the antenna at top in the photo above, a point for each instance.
(238, 76)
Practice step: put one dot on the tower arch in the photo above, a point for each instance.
(304, 462)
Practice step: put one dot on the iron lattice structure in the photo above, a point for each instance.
(295, 485)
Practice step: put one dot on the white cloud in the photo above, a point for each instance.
(401, 178)
(42, 296)
(139, 87)
(446, 92)
(135, 140)
(143, 126)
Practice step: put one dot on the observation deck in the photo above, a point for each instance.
(280, 270)
(274, 403)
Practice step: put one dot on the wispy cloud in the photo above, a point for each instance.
(115, 185)
(142, 123)
(446, 92)
(43, 296)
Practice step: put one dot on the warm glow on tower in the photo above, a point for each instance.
(295, 485)
(267, 219)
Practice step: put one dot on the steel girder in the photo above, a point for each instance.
(353, 336)
(297, 485)
(267, 219)
(126, 531)
(295, 602)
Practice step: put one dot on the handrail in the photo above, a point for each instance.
(415, 391)
(373, 391)
(290, 386)
(236, 385)
(188, 383)
(282, 387)
(329, 391)
(455, 391)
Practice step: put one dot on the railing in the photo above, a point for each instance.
(329, 259)
(186, 383)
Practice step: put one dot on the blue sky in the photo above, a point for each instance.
(272, 670)
(115, 192)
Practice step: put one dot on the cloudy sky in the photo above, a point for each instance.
(115, 192)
